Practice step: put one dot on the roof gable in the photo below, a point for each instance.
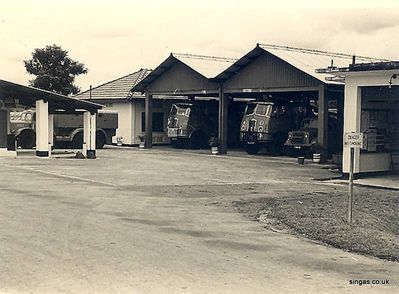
(184, 72)
(305, 61)
(267, 71)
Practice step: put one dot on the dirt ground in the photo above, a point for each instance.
(166, 221)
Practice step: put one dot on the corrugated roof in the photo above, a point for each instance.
(208, 66)
(308, 60)
(116, 89)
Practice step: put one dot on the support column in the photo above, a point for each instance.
(340, 117)
(148, 121)
(50, 132)
(352, 120)
(322, 136)
(223, 119)
(91, 153)
(3, 129)
(89, 135)
(42, 129)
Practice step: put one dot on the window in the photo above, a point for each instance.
(261, 109)
(250, 109)
(157, 122)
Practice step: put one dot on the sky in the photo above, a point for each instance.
(118, 37)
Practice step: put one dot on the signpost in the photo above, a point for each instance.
(352, 141)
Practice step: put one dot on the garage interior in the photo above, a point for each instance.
(380, 121)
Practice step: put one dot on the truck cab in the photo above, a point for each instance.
(303, 142)
(265, 124)
(191, 125)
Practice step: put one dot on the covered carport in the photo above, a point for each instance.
(15, 96)
(190, 76)
(267, 71)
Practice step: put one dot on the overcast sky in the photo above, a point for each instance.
(115, 38)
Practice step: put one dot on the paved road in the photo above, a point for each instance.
(161, 221)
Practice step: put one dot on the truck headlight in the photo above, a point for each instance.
(260, 129)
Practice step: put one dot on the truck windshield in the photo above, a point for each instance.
(180, 110)
(250, 109)
(263, 109)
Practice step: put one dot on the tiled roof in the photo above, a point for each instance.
(116, 89)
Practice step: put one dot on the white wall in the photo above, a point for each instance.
(352, 117)
(129, 120)
(125, 113)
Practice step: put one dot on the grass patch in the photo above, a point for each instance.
(323, 217)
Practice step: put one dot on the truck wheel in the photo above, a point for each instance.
(77, 141)
(252, 148)
(100, 140)
(292, 152)
(197, 140)
(176, 144)
(26, 139)
(277, 145)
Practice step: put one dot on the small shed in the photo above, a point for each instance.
(371, 108)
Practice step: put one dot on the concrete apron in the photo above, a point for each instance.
(7, 153)
(382, 181)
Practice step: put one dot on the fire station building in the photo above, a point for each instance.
(267, 71)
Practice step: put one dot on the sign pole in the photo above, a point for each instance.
(350, 202)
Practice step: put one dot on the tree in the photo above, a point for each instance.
(54, 70)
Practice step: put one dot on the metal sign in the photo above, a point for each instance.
(354, 140)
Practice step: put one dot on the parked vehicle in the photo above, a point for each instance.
(68, 129)
(266, 124)
(303, 142)
(191, 125)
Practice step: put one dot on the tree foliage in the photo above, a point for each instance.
(54, 70)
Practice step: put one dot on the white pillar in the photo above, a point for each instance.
(89, 135)
(93, 129)
(86, 131)
(352, 119)
(50, 132)
(42, 128)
